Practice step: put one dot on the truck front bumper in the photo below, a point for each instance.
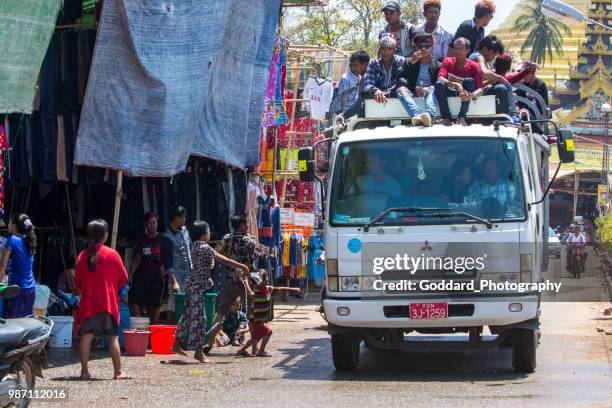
(465, 312)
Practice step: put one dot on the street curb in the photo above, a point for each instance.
(607, 276)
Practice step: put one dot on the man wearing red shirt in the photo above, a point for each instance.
(461, 77)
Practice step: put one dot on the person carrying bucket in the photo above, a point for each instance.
(100, 275)
(193, 321)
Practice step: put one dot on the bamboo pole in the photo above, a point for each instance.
(118, 195)
(576, 181)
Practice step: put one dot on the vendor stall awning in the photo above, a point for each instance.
(171, 79)
(26, 27)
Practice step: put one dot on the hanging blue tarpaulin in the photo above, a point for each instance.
(26, 27)
(175, 78)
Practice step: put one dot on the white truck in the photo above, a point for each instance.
(394, 191)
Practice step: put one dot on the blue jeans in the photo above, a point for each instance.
(504, 98)
(411, 107)
(443, 92)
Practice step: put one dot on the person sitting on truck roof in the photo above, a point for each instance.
(493, 186)
(348, 87)
(488, 50)
(375, 181)
(503, 64)
(420, 73)
(461, 77)
(383, 72)
(474, 29)
(455, 187)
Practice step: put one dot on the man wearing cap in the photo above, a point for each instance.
(383, 72)
(400, 29)
(420, 73)
(441, 35)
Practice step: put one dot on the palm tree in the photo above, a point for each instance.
(545, 36)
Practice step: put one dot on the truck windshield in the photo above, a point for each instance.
(479, 176)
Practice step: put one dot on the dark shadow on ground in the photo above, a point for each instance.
(312, 360)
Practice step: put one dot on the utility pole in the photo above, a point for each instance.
(605, 168)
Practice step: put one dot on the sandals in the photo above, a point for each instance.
(243, 353)
(264, 354)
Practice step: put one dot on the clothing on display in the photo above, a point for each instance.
(316, 272)
(294, 262)
(274, 113)
(319, 93)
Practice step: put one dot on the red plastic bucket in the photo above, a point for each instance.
(162, 338)
(136, 342)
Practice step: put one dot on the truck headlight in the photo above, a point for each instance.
(357, 283)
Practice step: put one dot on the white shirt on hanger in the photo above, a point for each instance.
(319, 93)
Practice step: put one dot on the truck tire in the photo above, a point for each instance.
(524, 345)
(345, 351)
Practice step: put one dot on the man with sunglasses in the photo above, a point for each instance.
(420, 73)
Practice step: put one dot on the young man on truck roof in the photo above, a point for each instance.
(421, 73)
(398, 28)
(383, 72)
(461, 77)
(488, 50)
(441, 35)
(474, 29)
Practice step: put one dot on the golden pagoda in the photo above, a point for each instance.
(555, 73)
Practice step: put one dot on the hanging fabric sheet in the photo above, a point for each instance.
(26, 27)
(191, 73)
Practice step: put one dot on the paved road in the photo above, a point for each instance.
(574, 370)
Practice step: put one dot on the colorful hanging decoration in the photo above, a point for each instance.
(274, 113)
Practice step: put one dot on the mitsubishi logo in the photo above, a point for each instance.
(426, 246)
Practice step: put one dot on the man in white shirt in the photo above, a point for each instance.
(493, 186)
(442, 35)
(575, 238)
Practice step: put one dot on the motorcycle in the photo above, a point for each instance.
(22, 354)
(578, 259)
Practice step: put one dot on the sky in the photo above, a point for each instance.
(456, 11)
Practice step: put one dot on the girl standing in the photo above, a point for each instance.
(193, 321)
(19, 248)
(100, 275)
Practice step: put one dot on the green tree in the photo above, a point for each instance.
(545, 33)
(322, 25)
(367, 16)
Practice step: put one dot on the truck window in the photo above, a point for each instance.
(480, 176)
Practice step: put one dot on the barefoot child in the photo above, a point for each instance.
(260, 328)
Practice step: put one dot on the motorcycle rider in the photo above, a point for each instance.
(574, 239)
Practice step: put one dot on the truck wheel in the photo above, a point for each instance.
(345, 351)
(524, 345)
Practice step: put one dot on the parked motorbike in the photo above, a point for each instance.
(22, 354)
(578, 258)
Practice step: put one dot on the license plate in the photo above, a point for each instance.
(428, 311)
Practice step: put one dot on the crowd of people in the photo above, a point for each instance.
(430, 62)
(179, 260)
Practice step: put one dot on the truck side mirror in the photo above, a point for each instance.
(565, 146)
(306, 164)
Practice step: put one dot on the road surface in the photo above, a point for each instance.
(574, 369)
